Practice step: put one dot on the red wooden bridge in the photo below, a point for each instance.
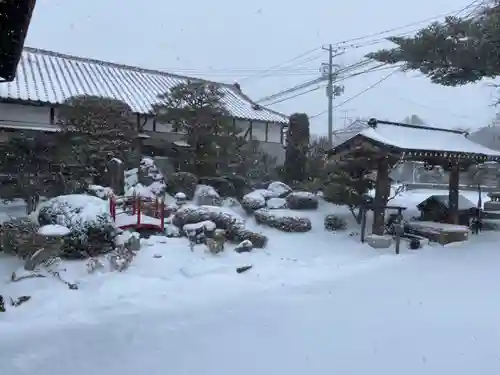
(136, 212)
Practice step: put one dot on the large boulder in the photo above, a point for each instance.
(205, 195)
(279, 188)
(92, 229)
(276, 203)
(257, 199)
(283, 221)
(232, 224)
(302, 200)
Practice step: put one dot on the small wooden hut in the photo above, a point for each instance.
(383, 144)
(437, 208)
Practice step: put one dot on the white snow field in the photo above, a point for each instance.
(314, 303)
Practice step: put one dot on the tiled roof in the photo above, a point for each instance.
(49, 77)
(422, 139)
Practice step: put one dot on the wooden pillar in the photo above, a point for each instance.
(382, 190)
(453, 192)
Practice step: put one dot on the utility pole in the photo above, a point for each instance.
(332, 90)
(329, 94)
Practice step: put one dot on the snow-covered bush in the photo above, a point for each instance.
(334, 222)
(240, 183)
(183, 182)
(276, 203)
(302, 200)
(233, 224)
(279, 188)
(223, 186)
(205, 195)
(93, 231)
(282, 221)
(19, 237)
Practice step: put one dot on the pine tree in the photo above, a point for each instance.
(454, 52)
(29, 161)
(348, 184)
(95, 130)
(297, 146)
(196, 109)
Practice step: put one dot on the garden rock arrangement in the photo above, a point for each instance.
(145, 181)
(232, 224)
(282, 221)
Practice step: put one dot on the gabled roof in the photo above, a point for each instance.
(416, 139)
(50, 77)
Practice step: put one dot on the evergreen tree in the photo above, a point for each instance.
(196, 109)
(28, 163)
(454, 52)
(95, 130)
(348, 184)
(297, 146)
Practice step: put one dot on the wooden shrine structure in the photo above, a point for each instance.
(383, 144)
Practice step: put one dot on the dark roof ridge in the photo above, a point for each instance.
(373, 123)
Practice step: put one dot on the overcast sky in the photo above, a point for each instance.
(229, 41)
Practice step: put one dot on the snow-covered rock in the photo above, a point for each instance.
(145, 181)
(279, 188)
(276, 203)
(253, 201)
(244, 247)
(205, 195)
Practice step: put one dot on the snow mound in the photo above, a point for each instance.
(53, 230)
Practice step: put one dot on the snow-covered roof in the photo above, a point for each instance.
(415, 138)
(50, 77)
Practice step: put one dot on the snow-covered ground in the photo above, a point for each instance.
(316, 302)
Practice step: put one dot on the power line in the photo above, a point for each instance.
(387, 31)
(306, 84)
(375, 69)
(296, 95)
(273, 68)
(358, 94)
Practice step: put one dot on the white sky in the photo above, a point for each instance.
(227, 41)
